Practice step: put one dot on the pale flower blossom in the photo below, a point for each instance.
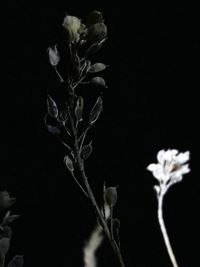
(170, 167)
(74, 27)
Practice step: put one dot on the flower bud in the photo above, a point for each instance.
(94, 17)
(96, 32)
(111, 196)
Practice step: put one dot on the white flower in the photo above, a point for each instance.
(73, 26)
(171, 166)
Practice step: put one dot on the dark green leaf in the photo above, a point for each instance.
(52, 107)
(96, 110)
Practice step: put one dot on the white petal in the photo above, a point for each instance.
(151, 167)
(183, 157)
(168, 156)
(160, 156)
(158, 172)
(174, 152)
(185, 169)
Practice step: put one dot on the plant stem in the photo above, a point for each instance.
(164, 231)
(111, 222)
(2, 260)
(99, 214)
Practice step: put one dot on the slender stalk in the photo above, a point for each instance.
(60, 77)
(2, 260)
(80, 186)
(99, 214)
(164, 231)
(111, 222)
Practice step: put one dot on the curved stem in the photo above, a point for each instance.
(80, 186)
(164, 231)
(60, 77)
(111, 222)
(99, 214)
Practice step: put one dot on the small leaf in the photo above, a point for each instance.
(52, 107)
(17, 261)
(53, 129)
(86, 151)
(96, 110)
(98, 81)
(54, 56)
(97, 67)
(69, 163)
(79, 109)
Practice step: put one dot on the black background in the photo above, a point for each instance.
(151, 103)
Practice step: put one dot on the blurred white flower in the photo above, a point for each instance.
(74, 27)
(171, 166)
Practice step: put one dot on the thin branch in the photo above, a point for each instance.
(80, 186)
(60, 77)
(99, 214)
(164, 231)
(62, 142)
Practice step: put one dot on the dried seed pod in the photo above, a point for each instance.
(97, 67)
(69, 163)
(98, 82)
(111, 196)
(54, 56)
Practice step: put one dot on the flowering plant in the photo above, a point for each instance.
(82, 41)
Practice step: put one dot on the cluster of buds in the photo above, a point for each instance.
(80, 41)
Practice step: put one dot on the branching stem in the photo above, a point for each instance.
(90, 194)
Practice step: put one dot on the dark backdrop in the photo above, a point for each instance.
(151, 103)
